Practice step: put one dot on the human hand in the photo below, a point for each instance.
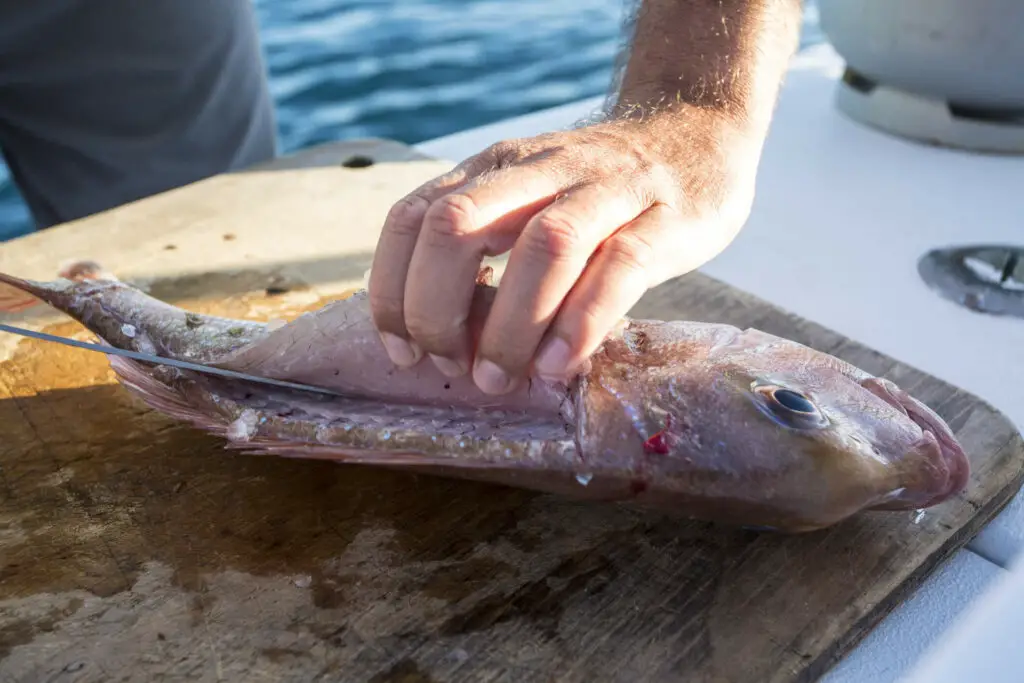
(593, 217)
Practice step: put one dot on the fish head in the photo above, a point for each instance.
(742, 414)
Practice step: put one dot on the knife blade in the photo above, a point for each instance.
(161, 360)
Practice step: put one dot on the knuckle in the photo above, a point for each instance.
(645, 195)
(661, 180)
(451, 217)
(505, 152)
(421, 327)
(624, 156)
(406, 215)
(386, 311)
(433, 337)
(556, 236)
(631, 251)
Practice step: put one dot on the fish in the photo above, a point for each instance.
(704, 420)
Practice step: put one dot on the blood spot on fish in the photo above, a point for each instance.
(658, 443)
(637, 486)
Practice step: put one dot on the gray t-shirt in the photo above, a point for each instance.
(103, 102)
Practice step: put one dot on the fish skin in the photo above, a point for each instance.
(126, 317)
(682, 416)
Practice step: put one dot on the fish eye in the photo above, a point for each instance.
(788, 407)
(794, 401)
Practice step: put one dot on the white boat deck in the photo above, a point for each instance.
(842, 215)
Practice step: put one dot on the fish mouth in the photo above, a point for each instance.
(937, 445)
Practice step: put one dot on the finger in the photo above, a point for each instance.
(545, 262)
(615, 279)
(395, 246)
(389, 272)
(480, 218)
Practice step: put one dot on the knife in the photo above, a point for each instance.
(160, 360)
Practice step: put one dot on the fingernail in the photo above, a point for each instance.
(490, 378)
(402, 352)
(448, 367)
(553, 360)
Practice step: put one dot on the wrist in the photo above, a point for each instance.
(708, 146)
(726, 58)
(703, 161)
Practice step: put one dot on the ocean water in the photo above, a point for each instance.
(412, 70)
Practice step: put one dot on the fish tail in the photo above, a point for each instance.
(64, 294)
(18, 295)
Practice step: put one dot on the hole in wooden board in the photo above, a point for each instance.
(357, 161)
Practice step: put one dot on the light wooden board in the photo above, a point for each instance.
(136, 549)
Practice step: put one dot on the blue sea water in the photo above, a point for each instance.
(413, 70)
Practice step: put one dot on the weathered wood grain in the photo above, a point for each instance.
(135, 549)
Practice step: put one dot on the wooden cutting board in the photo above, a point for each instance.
(136, 549)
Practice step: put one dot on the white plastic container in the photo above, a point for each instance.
(946, 71)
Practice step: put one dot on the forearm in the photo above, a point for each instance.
(725, 57)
